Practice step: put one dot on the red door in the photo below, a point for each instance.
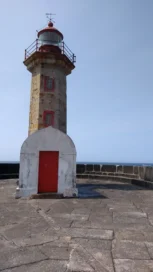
(48, 171)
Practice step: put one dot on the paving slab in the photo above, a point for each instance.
(125, 249)
(55, 253)
(60, 206)
(103, 257)
(79, 217)
(130, 220)
(130, 235)
(61, 221)
(42, 266)
(133, 265)
(94, 221)
(92, 243)
(100, 211)
(130, 214)
(10, 258)
(84, 260)
(149, 246)
(87, 233)
(80, 260)
(26, 228)
(36, 239)
(111, 231)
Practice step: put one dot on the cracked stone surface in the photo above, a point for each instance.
(130, 250)
(109, 231)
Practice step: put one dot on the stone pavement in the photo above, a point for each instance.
(112, 231)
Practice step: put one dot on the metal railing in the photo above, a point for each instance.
(37, 45)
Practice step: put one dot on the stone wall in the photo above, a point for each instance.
(122, 171)
(8, 170)
(55, 100)
(34, 102)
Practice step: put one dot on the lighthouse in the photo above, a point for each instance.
(50, 61)
(48, 155)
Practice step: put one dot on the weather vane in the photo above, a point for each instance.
(49, 16)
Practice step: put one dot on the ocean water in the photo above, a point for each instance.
(105, 163)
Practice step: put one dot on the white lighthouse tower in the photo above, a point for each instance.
(48, 155)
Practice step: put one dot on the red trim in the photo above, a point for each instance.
(45, 84)
(44, 118)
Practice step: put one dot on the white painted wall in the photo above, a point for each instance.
(47, 139)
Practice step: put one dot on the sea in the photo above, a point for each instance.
(102, 163)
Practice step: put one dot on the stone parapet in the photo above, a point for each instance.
(123, 171)
(92, 171)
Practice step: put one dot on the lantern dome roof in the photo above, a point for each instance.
(51, 28)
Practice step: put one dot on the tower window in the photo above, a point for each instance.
(48, 118)
(49, 83)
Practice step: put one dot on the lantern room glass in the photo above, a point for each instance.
(50, 38)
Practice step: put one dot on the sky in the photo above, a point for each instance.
(110, 92)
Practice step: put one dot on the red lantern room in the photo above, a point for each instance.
(51, 34)
(50, 39)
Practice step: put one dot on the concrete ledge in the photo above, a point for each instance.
(137, 173)
(142, 183)
(104, 177)
(9, 176)
(137, 182)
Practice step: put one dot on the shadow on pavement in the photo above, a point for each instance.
(86, 190)
(89, 190)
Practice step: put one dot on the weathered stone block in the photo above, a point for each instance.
(97, 167)
(80, 168)
(136, 170)
(82, 176)
(149, 185)
(60, 253)
(98, 173)
(148, 173)
(128, 169)
(127, 175)
(111, 174)
(108, 168)
(99, 234)
(151, 174)
(20, 256)
(129, 250)
(141, 172)
(9, 168)
(92, 176)
(89, 167)
(123, 265)
(138, 182)
(118, 174)
(119, 168)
